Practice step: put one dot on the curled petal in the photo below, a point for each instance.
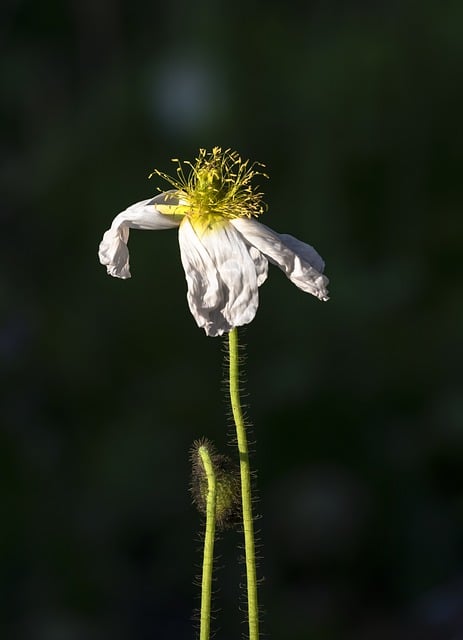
(113, 251)
(299, 261)
(222, 276)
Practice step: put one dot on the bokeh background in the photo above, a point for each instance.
(355, 108)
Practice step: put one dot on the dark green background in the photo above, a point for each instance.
(356, 110)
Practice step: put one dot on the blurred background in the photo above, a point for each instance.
(355, 108)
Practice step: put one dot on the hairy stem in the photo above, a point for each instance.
(208, 557)
(245, 472)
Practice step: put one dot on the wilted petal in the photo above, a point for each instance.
(305, 251)
(222, 277)
(300, 262)
(113, 251)
(260, 263)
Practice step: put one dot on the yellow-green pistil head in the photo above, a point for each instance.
(217, 187)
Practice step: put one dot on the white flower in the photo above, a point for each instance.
(224, 251)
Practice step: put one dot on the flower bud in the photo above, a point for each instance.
(226, 479)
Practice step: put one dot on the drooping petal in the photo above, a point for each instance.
(305, 251)
(113, 251)
(299, 261)
(261, 264)
(222, 276)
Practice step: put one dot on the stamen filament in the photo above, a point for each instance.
(219, 184)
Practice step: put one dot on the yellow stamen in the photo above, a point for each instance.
(218, 185)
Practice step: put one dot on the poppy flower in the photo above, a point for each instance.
(223, 248)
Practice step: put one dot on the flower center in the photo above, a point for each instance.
(217, 186)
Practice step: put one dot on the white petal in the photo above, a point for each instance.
(113, 251)
(222, 277)
(305, 251)
(300, 262)
(261, 264)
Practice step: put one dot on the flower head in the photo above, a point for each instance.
(224, 249)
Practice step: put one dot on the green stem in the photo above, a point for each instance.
(245, 472)
(208, 557)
